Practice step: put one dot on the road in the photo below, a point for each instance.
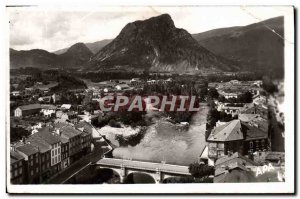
(78, 165)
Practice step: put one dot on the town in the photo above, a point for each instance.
(58, 130)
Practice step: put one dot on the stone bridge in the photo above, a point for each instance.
(158, 171)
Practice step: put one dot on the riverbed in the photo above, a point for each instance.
(164, 142)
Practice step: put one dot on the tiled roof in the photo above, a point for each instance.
(233, 161)
(69, 131)
(27, 149)
(227, 132)
(30, 107)
(48, 106)
(253, 132)
(272, 155)
(66, 106)
(39, 143)
(233, 158)
(46, 135)
(15, 156)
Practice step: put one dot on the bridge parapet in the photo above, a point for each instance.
(157, 170)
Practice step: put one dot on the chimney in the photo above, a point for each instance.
(58, 132)
(23, 140)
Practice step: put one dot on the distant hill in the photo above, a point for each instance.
(156, 44)
(94, 46)
(35, 58)
(255, 47)
(76, 56)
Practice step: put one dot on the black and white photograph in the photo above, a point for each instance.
(150, 99)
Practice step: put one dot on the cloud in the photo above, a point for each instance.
(53, 29)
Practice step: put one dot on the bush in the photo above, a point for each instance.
(201, 170)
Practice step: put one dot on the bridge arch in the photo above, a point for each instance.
(109, 174)
(139, 177)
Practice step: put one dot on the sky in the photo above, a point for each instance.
(53, 29)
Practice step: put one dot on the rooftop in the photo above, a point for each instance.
(15, 157)
(27, 149)
(227, 132)
(70, 131)
(30, 107)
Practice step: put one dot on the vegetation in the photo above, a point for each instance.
(17, 133)
(131, 140)
(201, 170)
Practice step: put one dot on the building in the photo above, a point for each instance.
(48, 110)
(65, 159)
(74, 138)
(48, 137)
(234, 168)
(66, 107)
(236, 136)
(70, 116)
(86, 136)
(17, 164)
(26, 110)
(122, 87)
(32, 163)
(16, 93)
(45, 99)
(45, 155)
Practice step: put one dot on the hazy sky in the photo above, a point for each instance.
(53, 29)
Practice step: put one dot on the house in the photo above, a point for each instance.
(234, 168)
(236, 136)
(74, 138)
(47, 136)
(70, 116)
(17, 164)
(66, 107)
(229, 94)
(46, 99)
(65, 159)
(45, 156)
(16, 93)
(232, 110)
(26, 110)
(86, 136)
(32, 162)
(122, 87)
(48, 109)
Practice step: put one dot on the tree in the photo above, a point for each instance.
(213, 93)
(201, 170)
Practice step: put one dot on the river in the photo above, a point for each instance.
(163, 142)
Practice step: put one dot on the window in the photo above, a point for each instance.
(58, 150)
(262, 143)
(16, 172)
(37, 159)
(20, 163)
(251, 144)
(31, 172)
(31, 163)
(37, 170)
(52, 153)
(20, 171)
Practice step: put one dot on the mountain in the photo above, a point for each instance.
(256, 47)
(156, 44)
(94, 46)
(76, 56)
(36, 58)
